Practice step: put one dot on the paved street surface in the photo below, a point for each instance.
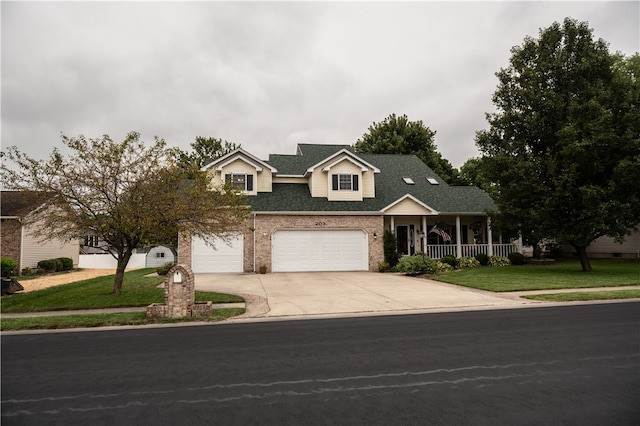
(574, 365)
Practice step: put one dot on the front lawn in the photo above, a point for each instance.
(565, 273)
(581, 296)
(95, 293)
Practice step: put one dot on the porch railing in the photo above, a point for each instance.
(470, 250)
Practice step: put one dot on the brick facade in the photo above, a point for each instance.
(265, 225)
(11, 239)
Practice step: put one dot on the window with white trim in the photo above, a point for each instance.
(344, 182)
(241, 181)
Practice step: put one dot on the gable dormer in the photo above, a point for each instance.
(343, 176)
(248, 173)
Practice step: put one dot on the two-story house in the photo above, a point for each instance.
(326, 209)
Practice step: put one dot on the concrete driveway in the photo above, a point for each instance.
(344, 293)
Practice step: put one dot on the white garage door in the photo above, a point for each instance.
(326, 250)
(224, 258)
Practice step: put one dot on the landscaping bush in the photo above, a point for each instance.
(26, 272)
(164, 269)
(390, 244)
(449, 260)
(49, 265)
(8, 267)
(417, 265)
(468, 262)
(443, 267)
(383, 266)
(482, 258)
(67, 263)
(499, 261)
(516, 258)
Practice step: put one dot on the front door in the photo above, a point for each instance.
(404, 235)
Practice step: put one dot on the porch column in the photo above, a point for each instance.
(424, 234)
(489, 237)
(458, 238)
(392, 224)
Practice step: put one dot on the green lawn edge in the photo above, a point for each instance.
(564, 274)
(106, 320)
(585, 296)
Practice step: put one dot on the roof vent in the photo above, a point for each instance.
(408, 180)
(433, 181)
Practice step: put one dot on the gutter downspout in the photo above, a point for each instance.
(254, 243)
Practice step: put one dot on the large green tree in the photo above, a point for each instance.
(126, 193)
(204, 150)
(399, 135)
(563, 147)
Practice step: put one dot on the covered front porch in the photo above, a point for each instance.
(448, 235)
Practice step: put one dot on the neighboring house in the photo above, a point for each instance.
(604, 247)
(22, 243)
(326, 209)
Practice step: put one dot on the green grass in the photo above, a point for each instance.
(566, 273)
(586, 295)
(102, 320)
(95, 293)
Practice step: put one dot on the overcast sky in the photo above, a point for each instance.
(268, 75)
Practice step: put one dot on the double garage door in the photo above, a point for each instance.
(322, 250)
(292, 251)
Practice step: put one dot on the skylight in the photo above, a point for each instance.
(408, 180)
(433, 181)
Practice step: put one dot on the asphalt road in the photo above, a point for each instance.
(574, 365)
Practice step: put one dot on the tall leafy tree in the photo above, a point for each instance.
(563, 146)
(205, 150)
(399, 135)
(126, 193)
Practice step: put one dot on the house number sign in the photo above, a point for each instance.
(321, 223)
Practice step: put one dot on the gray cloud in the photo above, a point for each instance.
(268, 75)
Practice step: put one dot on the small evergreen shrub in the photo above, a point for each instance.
(67, 263)
(49, 265)
(390, 247)
(468, 262)
(383, 266)
(449, 260)
(516, 258)
(499, 261)
(417, 265)
(26, 272)
(482, 258)
(8, 267)
(164, 269)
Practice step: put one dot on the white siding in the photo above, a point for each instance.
(33, 250)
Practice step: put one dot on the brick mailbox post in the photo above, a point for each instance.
(179, 297)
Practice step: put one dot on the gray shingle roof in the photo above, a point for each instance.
(389, 186)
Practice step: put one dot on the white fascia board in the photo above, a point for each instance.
(239, 153)
(349, 159)
(318, 213)
(411, 197)
(348, 154)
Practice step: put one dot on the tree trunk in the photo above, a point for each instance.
(123, 261)
(584, 260)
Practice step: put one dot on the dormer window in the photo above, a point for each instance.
(344, 182)
(241, 181)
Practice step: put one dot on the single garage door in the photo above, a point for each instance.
(322, 250)
(224, 258)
